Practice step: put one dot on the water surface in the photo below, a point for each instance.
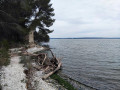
(94, 62)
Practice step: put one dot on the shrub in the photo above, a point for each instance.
(4, 44)
(4, 57)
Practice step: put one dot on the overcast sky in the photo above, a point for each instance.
(86, 18)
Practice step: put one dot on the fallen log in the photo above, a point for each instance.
(45, 63)
(52, 72)
(29, 54)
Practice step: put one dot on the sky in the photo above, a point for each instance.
(86, 18)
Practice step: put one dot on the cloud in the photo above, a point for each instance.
(86, 18)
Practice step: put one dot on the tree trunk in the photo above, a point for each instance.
(31, 39)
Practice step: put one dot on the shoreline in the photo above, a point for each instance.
(14, 78)
(34, 79)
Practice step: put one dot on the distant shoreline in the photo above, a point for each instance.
(87, 38)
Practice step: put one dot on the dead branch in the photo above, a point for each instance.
(48, 65)
(29, 54)
(49, 74)
(44, 59)
(52, 53)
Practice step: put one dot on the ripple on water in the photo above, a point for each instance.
(93, 62)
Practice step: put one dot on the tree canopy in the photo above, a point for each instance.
(18, 17)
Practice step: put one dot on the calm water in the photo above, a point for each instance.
(94, 62)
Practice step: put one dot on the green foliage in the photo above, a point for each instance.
(43, 13)
(10, 28)
(41, 37)
(4, 57)
(16, 22)
(62, 82)
(4, 44)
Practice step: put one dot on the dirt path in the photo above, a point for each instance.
(13, 77)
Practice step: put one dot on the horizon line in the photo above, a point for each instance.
(88, 38)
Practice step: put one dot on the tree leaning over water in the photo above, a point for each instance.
(42, 19)
(19, 17)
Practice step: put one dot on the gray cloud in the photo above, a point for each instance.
(86, 18)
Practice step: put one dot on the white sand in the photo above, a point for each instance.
(34, 49)
(39, 84)
(13, 77)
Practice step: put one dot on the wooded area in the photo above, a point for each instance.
(19, 17)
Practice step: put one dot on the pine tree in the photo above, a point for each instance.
(12, 20)
(15, 18)
(42, 14)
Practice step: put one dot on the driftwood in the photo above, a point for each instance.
(52, 53)
(43, 62)
(56, 65)
(52, 72)
(46, 69)
(30, 54)
(37, 67)
(44, 59)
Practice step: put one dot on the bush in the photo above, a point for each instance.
(4, 57)
(4, 44)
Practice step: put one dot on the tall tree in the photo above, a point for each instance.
(18, 17)
(12, 19)
(42, 19)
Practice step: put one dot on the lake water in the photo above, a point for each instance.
(94, 62)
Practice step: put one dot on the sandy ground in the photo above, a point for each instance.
(34, 49)
(39, 84)
(13, 77)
